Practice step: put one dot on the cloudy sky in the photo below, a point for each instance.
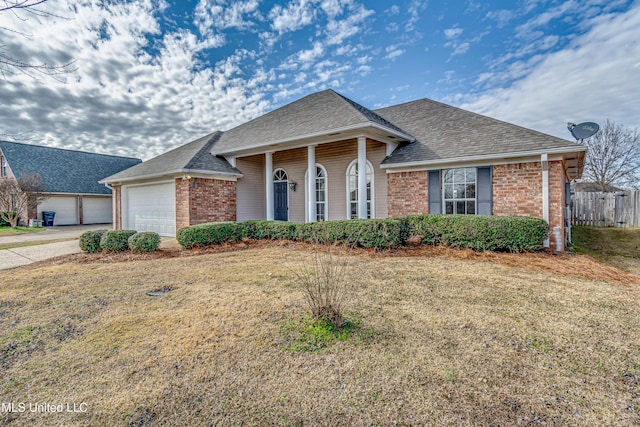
(153, 74)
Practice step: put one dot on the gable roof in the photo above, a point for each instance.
(64, 171)
(446, 133)
(320, 113)
(192, 157)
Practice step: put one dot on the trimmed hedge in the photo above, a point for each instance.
(366, 233)
(145, 241)
(481, 232)
(116, 240)
(214, 233)
(90, 240)
(273, 230)
(477, 232)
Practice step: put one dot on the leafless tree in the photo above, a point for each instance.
(11, 64)
(18, 197)
(613, 157)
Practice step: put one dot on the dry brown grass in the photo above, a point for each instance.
(458, 339)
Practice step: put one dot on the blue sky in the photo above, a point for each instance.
(152, 75)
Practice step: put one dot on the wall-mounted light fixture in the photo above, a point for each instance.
(292, 185)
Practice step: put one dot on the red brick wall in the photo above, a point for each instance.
(517, 190)
(408, 193)
(201, 200)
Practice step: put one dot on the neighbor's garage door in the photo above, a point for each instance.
(150, 208)
(97, 210)
(65, 207)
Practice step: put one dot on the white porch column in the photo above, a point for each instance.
(268, 175)
(544, 161)
(362, 177)
(311, 184)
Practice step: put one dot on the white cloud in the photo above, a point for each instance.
(124, 99)
(393, 54)
(297, 14)
(591, 79)
(452, 33)
(338, 31)
(219, 14)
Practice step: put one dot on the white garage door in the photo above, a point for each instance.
(150, 208)
(65, 207)
(97, 210)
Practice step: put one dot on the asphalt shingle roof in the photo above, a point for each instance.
(64, 171)
(317, 113)
(444, 132)
(195, 156)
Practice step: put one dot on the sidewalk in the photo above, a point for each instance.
(16, 257)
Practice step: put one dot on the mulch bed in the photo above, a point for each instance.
(565, 264)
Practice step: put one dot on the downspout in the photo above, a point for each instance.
(544, 160)
(113, 206)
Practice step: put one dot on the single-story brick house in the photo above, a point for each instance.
(420, 157)
(70, 178)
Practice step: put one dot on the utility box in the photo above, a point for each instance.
(37, 223)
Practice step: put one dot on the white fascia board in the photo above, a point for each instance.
(53, 193)
(311, 139)
(175, 173)
(488, 158)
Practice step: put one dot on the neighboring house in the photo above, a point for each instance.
(70, 179)
(419, 157)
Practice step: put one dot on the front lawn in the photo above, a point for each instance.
(8, 231)
(619, 247)
(438, 341)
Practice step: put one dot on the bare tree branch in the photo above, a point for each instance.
(10, 64)
(613, 157)
(18, 197)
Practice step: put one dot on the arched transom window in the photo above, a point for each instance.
(352, 190)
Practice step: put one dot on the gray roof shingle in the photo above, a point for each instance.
(193, 156)
(320, 112)
(64, 171)
(444, 132)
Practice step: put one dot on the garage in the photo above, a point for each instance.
(97, 210)
(150, 207)
(65, 207)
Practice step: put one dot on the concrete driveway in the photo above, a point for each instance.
(66, 238)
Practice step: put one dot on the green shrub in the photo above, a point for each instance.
(366, 233)
(90, 240)
(481, 232)
(3, 222)
(145, 241)
(274, 230)
(214, 233)
(116, 240)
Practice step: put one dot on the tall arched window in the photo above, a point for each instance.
(352, 190)
(322, 194)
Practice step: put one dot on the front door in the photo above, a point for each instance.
(280, 199)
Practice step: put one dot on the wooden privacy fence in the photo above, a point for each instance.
(619, 209)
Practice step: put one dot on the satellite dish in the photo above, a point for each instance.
(583, 130)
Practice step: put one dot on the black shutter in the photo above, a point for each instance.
(435, 194)
(484, 191)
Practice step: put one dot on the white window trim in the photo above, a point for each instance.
(443, 208)
(373, 193)
(288, 191)
(326, 194)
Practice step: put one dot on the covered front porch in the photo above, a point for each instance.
(276, 185)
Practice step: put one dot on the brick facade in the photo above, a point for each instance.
(117, 193)
(517, 190)
(408, 193)
(201, 200)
